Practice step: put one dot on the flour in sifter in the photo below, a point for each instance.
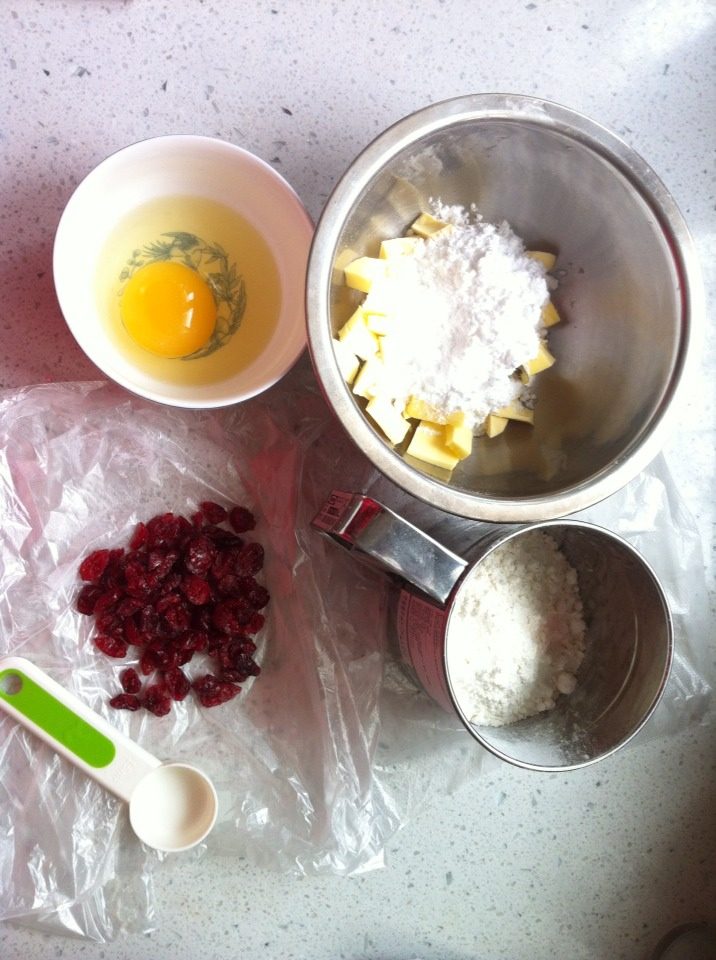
(516, 634)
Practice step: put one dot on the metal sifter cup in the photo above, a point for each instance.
(629, 629)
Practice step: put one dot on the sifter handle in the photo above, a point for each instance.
(378, 534)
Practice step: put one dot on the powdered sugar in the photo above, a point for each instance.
(467, 308)
(516, 636)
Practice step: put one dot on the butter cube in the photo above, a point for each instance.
(370, 380)
(348, 362)
(345, 257)
(388, 350)
(356, 336)
(379, 323)
(388, 418)
(516, 411)
(458, 419)
(362, 273)
(494, 425)
(428, 445)
(419, 409)
(399, 247)
(542, 361)
(458, 440)
(550, 317)
(427, 226)
(547, 260)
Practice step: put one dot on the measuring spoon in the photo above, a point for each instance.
(172, 806)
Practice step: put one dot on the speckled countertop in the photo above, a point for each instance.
(595, 864)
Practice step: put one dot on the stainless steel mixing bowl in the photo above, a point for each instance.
(629, 293)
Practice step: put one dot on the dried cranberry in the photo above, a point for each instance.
(176, 683)
(184, 529)
(174, 613)
(196, 590)
(106, 621)
(255, 623)
(251, 558)
(229, 585)
(112, 646)
(139, 537)
(235, 676)
(125, 701)
(106, 601)
(241, 519)
(254, 594)
(195, 641)
(220, 536)
(217, 641)
(87, 599)
(128, 607)
(213, 692)
(163, 529)
(160, 561)
(132, 634)
(185, 587)
(230, 616)
(225, 563)
(93, 566)
(135, 578)
(171, 583)
(148, 620)
(114, 563)
(200, 555)
(156, 700)
(149, 661)
(213, 512)
(130, 681)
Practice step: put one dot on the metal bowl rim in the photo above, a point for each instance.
(565, 121)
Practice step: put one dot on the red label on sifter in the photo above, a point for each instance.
(332, 512)
(421, 634)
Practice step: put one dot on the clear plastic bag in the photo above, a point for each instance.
(323, 758)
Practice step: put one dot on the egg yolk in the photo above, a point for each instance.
(168, 309)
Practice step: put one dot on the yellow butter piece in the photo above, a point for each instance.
(362, 273)
(419, 409)
(458, 440)
(399, 247)
(542, 361)
(348, 362)
(428, 445)
(547, 260)
(379, 323)
(388, 418)
(458, 419)
(387, 349)
(516, 411)
(345, 257)
(550, 317)
(494, 425)
(370, 379)
(356, 336)
(427, 226)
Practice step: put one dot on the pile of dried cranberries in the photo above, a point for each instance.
(182, 587)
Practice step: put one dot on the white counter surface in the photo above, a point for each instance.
(598, 863)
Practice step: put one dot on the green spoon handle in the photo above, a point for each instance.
(71, 728)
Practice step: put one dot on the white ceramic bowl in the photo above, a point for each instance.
(174, 166)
